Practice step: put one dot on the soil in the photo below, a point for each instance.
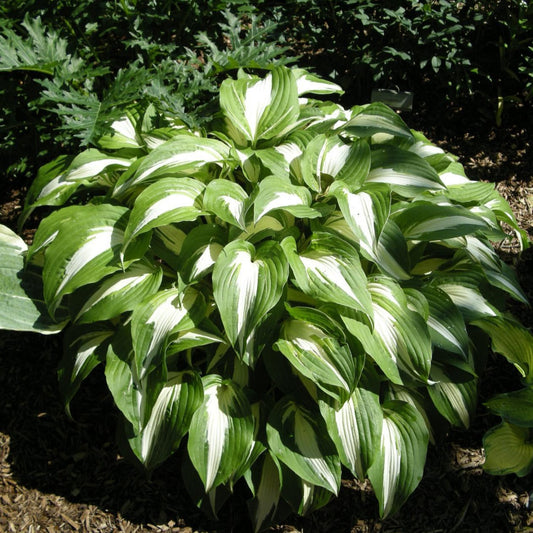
(64, 475)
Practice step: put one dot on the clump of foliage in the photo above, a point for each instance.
(293, 288)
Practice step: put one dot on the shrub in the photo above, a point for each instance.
(473, 53)
(419, 46)
(293, 288)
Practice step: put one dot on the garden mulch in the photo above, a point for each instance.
(67, 475)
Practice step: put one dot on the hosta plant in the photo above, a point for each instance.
(295, 289)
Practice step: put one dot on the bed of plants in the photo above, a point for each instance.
(275, 286)
(293, 288)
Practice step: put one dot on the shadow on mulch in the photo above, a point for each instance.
(77, 460)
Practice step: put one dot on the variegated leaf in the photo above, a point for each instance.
(367, 213)
(92, 163)
(508, 450)
(456, 401)
(446, 324)
(84, 349)
(498, 273)
(309, 83)
(302, 496)
(154, 319)
(327, 116)
(300, 440)
(167, 242)
(119, 377)
(48, 230)
(276, 160)
(267, 226)
(400, 459)
(373, 346)
(377, 118)
(135, 398)
(50, 187)
(117, 294)
(328, 158)
(462, 287)
(470, 192)
(155, 138)
(227, 200)
(123, 135)
(261, 108)
(200, 250)
(317, 353)
(247, 284)
(454, 177)
(170, 418)
(277, 193)
(493, 229)
(169, 200)
(291, 150)
(183, 155)
(221, 432)
(249, 160)
(501, 208)
(283, 160)
(392, 255)
(192, 338)
(426, 221)
(403, 331)
(329, 270)
(265, 483)
(433, 154)
(83, 252)
(11, 242)
(22, 306)
(355, 427)
(405, 172)
(418, 400)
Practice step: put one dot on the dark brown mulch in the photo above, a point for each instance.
(59, 475)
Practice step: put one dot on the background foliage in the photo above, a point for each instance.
(454, 49)
(65, 66)
(67, 69)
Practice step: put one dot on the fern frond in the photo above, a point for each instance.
(85, 114)
(147, 48)
(87, 100)
(249, 47)
(42, 51)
